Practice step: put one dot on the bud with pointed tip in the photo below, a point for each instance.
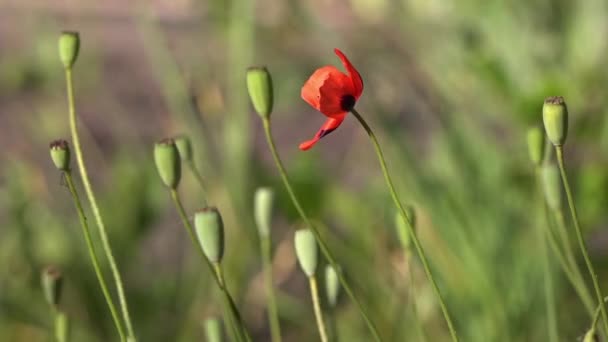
(184, 147)
(259, 85)
(168, 163)
(555, 118)
(550, 179)
(213, 330)
(210, 232)
(332, 285)
(306, 251)
(536, 145)
(402, 231)
(262, 202)
(52, 281)
(60, 154)
(69, 45)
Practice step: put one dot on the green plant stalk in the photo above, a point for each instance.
(61, 324)
(273, 314)
(228, 301)
(199, 179)
(579, 235)
(411, 230)
(95, 209)
(324, 249)
(93, 255)
(238, 321)
(316, 304)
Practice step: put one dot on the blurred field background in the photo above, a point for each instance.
(450, 88)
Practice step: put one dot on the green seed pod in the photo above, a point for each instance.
(590, 336)
(213, 330)
(60, 154)
(62, 327)
(306, 251)
(184, 147)
(552, 185)
(555, 118)
(210, 232)
(259, 85)
(536, 145)
(332, 285)
(69, 45)
(168, 163)
(262, 202)
(401, 225)
(52, 281)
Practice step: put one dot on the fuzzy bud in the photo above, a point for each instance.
(210, 232)
(306, 251)
(262, 203)
(168, 163)
(555, 118)
(60, 154)
(332, 285)
(69, 45)
(184, 146)
(259, 85)
(52, 281)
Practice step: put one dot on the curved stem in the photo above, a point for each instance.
(314, 293)
(579, 235)
(324, 249)
(199, 179)
(95, 209)
(273, 314)
(93, 255)
(411, 230)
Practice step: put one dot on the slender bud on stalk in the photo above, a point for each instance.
(306, 251)
(332, 285)
(402, 231)
(184, 147)
(213, 330)
(60, 154)
(52, 281)
(210, 232)
(536, 145)
(168, 163)
(555, 118)
(69, 45)
(263, 200)
(552, 185)
(259, 85)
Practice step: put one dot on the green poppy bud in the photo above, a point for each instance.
(62, 327)
(52, 281)
(550, 179)
(555, 118)
(213, 330)
(306, 251)
(60, 154)
(401, 225)
(69, 45)
(536, 145)
(168, 163)
(332, 285)
(262, 203)
(590, 336)
(184, 147)
(259, 85)
(210, 232)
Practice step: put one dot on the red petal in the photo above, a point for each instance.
(357, 82)
(329, 126)
(311, 88)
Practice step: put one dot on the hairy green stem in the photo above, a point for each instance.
(324, 249)
(410, 228)
(95, 209)
(273, 314)
(316, 303)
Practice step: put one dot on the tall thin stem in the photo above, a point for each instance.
(410, 228)
(93, 255)
(324, 249)
(93, 202)
(314, 293)
(273, 314)
(579, 235)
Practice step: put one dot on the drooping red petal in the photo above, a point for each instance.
(354, 75)
(329, 126)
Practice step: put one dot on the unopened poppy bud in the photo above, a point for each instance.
(259, 85)
(52, 281)
(332, 285)
(184, 147)
(401, 225)
(590, 336)
(262, 203)
(60, 154)
(210, 232)
(306, 251)
(213, 330)
(555, 118)
(168, 163)
(69, 45)
(62, 327)
(551, 183)
(536, 145)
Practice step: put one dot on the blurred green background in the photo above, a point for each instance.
(450, 88)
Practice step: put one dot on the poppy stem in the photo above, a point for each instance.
(410, 228)
(324, 249)
(314, 293)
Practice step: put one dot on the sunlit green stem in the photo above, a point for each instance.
(95, 209)
(579, 235)
(324, 249)
(410, 228)
(62, 327)
(273, 315)
(316, 303)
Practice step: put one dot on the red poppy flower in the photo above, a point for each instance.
(332, 93)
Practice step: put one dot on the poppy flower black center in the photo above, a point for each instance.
(347, 102)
